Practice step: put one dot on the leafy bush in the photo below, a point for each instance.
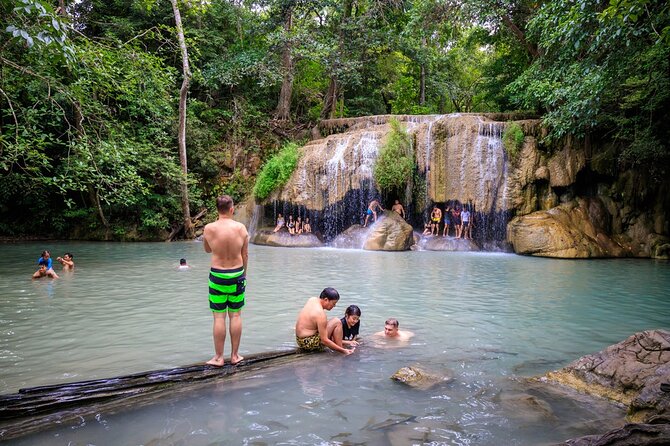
(513, 139)
(276, 171)
(395, 161)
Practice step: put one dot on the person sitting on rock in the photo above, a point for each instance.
(299, 226)
(427, 228)
(291, 225)
(280, 223)
(344, 331)
(306, 227)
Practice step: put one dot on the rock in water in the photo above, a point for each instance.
(390, 233)
(633, 372)
(416, 377)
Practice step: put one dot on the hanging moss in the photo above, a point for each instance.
(276, 171)
(395, 162)
(513, 139)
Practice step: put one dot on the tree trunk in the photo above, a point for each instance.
(283, 112)
(531, 48)
(330, 101)
(183, 94)
(422, 79)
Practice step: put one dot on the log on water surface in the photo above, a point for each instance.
(36, 408)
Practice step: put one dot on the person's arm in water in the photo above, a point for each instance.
(322, 328)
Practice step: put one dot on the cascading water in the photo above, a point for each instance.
(461, 156)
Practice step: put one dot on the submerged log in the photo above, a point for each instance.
(35, 408)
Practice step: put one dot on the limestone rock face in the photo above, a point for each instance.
(418, 378)
(283, 238)
(634, 372)
(389, 233)
(572, 230)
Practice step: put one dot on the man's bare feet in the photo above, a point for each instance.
(216, 361)
(234, 360)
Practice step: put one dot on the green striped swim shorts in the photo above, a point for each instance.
(226, 289)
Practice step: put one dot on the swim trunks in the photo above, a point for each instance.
(226, 289)
(369, 212)
(309, 343)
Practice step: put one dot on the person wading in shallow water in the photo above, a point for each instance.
(228, 242)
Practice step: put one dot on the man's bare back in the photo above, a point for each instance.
(228, 242)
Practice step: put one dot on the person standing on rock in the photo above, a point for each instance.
(372, 210)
(228, 242)
(397, 207)
(465, 223)
(435, 218)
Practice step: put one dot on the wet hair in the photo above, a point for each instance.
(224, 204)
(353, 310)
(392, 321)
(69, 254)
(330, 294)
(45, 252)
(182, 261)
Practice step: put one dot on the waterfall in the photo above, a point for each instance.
(253, 223)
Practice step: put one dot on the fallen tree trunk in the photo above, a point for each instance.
(32, 409)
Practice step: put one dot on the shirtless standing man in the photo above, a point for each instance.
(311, 330)
(228, 242)
(372, 210)
(397, 207)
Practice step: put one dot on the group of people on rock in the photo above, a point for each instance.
(294, 226)
(458, 217)
(228, 243)
(375, 206)
(45, 265)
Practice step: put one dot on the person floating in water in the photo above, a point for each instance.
(344, 332)
(311, 328)
(183, 266)
(45, 267)
(228, 242)
(67, 261)
(372, 210)
(391, 331)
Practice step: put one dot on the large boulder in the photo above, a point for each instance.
(282, 238)
(389, 233)
(577, 229)
(432, 243)
(634, 372)
(654, 433)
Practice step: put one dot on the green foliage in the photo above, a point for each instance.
(395, 161)
(513, 139)
(276, 171)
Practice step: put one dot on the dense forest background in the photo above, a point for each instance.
(90, 91)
